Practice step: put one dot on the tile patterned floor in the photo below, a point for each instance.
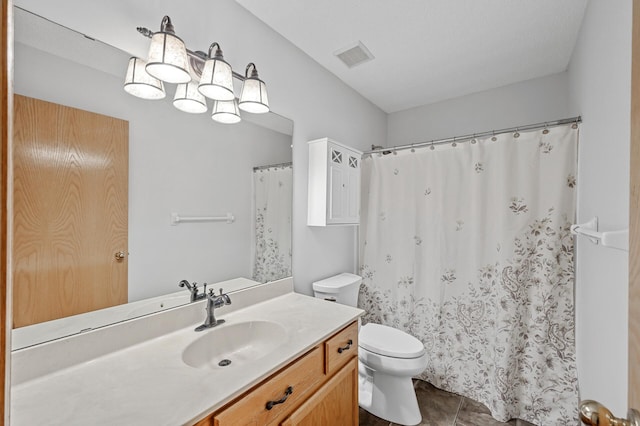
(440, 408)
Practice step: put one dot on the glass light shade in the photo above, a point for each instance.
(253, 97)
(217, 80)
(167, 59)
(188, 99)
(139, 83)
(226, 112)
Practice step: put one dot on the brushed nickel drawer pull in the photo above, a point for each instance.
(288, 392)
(349, 343)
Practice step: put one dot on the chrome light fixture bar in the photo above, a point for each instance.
(197, 74)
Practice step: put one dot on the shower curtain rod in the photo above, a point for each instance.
(268, 166)
(465, 138)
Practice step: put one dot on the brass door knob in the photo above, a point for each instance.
(120, 255)
(595, 414)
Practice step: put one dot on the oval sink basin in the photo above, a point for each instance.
(232, 345)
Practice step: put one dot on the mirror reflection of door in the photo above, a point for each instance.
(69, 239)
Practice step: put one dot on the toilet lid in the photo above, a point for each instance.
(389, 341)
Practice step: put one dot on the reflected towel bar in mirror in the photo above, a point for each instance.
(176, 218)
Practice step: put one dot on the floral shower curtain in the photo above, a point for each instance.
(467, 247)
(273, 197)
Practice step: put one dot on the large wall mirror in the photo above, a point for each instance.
(178, 163)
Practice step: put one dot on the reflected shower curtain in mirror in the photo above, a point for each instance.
(467, 247)
(273, 201)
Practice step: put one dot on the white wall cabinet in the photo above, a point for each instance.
(334, 184)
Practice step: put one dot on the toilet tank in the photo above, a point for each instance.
(342, 288)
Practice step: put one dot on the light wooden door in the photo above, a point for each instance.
(69, 211)
(335, 403)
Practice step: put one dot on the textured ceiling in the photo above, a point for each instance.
(430, 50)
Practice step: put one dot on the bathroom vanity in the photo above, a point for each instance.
(279, 358)
(319, 387)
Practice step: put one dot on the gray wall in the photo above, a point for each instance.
(599, 89)
(528, 102)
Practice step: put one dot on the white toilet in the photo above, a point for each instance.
(388, 358)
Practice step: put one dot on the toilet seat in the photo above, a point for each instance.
(389, 341)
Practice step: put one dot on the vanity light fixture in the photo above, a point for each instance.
(167, 59)
(197, 74)
(226, 112)
(253, 97)
(217, 77)
(138, 82)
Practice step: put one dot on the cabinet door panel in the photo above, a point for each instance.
(335, 403)
(353, 196)
(336, 204)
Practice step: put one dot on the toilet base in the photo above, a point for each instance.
(391, 398)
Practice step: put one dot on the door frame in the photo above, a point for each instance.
(634, 217)
(6, 109)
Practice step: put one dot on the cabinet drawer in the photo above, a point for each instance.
(340, 348)
(303, 376)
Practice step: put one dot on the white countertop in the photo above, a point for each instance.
(148, 383)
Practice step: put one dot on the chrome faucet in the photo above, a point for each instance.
(213, 302)
(193, 289)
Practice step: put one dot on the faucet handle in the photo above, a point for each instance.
(227, 299)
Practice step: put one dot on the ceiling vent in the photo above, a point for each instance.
(353, 55)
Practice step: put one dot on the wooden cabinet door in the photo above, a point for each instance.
(335, 403)
(69, 211)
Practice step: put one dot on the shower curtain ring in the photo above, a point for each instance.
(494, 136)
(575, 124)
(454, 144)
(546, 129)
(432, 147)
(473, 140)
(516, 134)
